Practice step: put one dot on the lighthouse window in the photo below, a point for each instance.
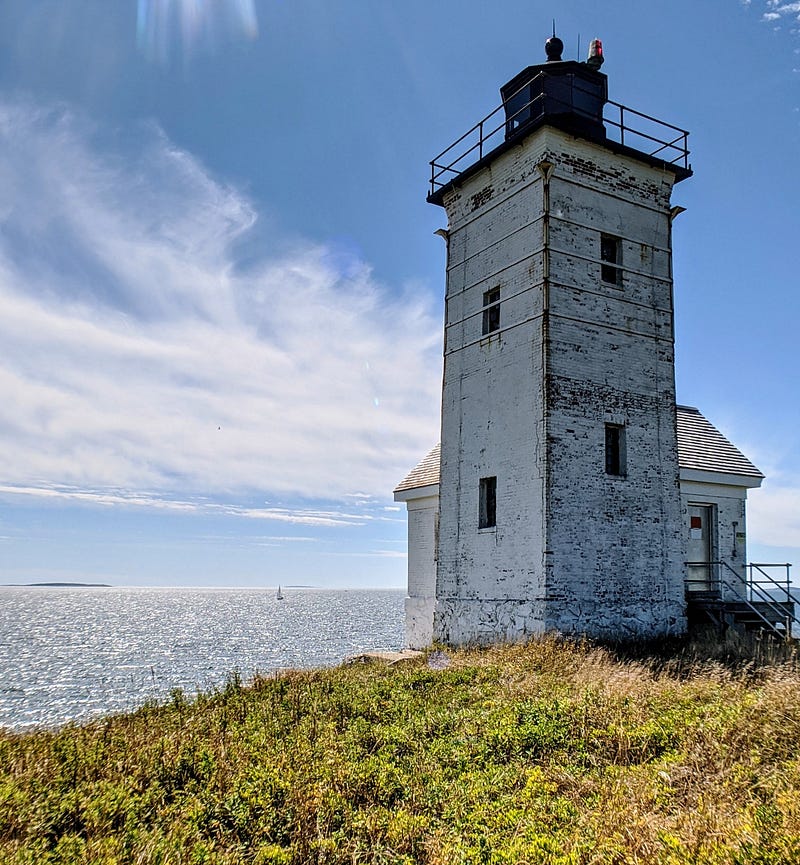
(615, 449)
(487, 513)
(610, 255)
(491, 311)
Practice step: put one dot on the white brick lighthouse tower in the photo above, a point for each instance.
(559, 503)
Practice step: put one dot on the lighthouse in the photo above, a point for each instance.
(559, 507)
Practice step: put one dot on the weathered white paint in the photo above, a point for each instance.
(727, 496)
(575, 550)
(725, 493)
(423, 516)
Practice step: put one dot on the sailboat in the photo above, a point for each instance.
(279, 596)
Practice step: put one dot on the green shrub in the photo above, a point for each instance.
(553, 752)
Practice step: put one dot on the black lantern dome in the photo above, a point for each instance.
(563, 93)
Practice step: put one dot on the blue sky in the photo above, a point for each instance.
(221, 295)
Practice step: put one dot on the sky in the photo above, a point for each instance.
(221, 293)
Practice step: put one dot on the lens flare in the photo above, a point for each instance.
(168, 28)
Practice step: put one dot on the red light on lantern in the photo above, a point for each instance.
(595, 59)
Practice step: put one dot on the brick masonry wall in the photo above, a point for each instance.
(574, 549)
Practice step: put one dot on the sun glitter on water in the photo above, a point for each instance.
(169, 28)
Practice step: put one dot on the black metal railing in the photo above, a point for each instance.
(622, 124)
(758, 578)
(770, 600)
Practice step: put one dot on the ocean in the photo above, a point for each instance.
(73, 653)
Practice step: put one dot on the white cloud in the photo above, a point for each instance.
(136, 355)
(778, 9)
(372, 554)
(104, 498)
(773, 516)
(290, 539)
(318, 517)
(784, 8)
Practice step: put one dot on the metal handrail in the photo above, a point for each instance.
(784, 586)
(712, 581)
(444, 172)
(782, 610)
(753, 609)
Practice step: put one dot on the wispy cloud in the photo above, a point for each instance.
(372, 554)
(782, 16)
(781, 8)
(303, 517)
(318, 517)
(773, 516)
(137, 354)
(289, 539)
(103, 497)
(776, 10)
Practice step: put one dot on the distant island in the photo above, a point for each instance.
(61, 585)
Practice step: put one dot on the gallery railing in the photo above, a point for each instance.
(622, 124)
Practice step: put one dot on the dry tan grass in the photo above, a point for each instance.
(555, 752)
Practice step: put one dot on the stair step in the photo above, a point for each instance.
(748, 616)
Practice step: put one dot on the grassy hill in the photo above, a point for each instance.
(553, 752)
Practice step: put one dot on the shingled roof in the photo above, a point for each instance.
(423, 474)
(701, 446)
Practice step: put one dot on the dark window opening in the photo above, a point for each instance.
(487, 515)
(615, 449)
(611, 255)
(491, 311)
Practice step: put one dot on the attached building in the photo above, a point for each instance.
(714, 479)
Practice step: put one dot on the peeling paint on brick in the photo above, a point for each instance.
(480, 198)
(574, 550)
